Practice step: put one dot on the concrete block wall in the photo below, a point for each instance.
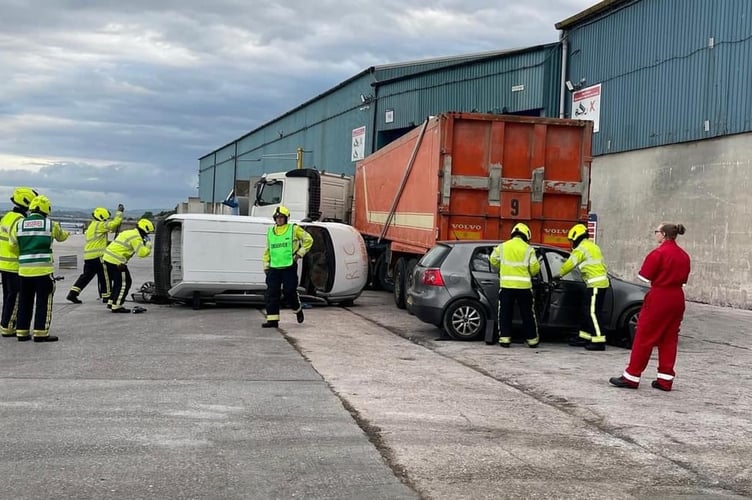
(705, 185)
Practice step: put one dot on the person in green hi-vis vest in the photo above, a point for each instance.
(33, 236)
(285, 245)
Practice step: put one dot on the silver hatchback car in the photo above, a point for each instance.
(455, 288)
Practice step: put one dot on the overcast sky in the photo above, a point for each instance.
(108, 101)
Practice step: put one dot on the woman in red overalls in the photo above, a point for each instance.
(666, 269)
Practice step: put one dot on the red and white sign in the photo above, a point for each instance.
(586, 105)
(358, 144)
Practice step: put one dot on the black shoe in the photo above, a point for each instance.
(270, 324)
(47, 338)
(595, 347)
(505, 344)
(109, 306)
(578, 342)
(9, 335)
(105, 300)
(300, 316)
(533, 346)
(622, 382)
(73, 298)
(24, 338)
(121, 310)
(655, 385)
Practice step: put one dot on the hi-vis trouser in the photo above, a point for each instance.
(279, 281)
(590, 328)
(93, 267)
(526, 302)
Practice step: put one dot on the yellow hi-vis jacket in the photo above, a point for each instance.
(8, 254)
(127, 244)
(516, 262)
(588, 258)
(301, 242)
(33, 237)
(96, 235)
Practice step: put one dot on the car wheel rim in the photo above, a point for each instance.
(466, 321)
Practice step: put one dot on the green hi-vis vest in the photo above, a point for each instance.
(281, 247)
(34, 236)
(8, 253)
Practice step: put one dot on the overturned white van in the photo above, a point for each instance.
(217, 258)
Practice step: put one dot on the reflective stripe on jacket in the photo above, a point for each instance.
(587, 257)
(33, 237)
(96, 236)
(9, 253)
(126, 245)
(516, 262)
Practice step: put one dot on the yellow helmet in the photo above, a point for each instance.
(22, 196)
(41, 204)
(101, 214)
(283, 211)
(146, 226)
(522, 230)
(577, 231)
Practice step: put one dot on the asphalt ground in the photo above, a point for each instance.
(359, 402)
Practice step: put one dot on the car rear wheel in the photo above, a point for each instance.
(628, 326)
(465, 320)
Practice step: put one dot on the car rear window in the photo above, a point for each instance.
(435, 256)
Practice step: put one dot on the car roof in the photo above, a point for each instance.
(451, 243)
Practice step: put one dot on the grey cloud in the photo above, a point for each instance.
(148, 87)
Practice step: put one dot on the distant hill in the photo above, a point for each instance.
(85, 213)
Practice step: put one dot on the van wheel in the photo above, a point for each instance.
(400, 269)
(465, 320)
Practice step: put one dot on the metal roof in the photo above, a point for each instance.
(591, 12)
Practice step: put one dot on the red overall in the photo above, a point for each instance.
(667, 269)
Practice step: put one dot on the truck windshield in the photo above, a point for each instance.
(269, 193)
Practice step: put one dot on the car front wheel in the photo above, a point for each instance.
(465, 320)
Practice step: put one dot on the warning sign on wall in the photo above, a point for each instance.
(586, 105)
(358, 150)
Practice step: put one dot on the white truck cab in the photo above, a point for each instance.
(308, 193)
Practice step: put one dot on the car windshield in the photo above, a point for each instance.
(435, 256)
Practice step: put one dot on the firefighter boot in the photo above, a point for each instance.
(73, 297)
(300, 316)
(270, 324)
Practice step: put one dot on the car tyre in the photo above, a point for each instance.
(465, 320)
(400, 269)
(628, 326)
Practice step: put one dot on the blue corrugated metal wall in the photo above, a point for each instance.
(671, 71)
(324, 125)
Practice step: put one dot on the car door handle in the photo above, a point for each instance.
(488, 282)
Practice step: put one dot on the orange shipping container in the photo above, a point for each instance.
(473, 176)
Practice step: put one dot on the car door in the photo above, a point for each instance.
(562, 303)
(486, 277)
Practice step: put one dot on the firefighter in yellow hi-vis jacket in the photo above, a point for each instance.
(21, 199)
(96, 242)
(33, 237)
(116, 257)
(285, 245)
(517, 264)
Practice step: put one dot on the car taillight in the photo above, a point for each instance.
(432, 277)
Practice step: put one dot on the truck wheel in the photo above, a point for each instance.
(399, 282)
(382, 274)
